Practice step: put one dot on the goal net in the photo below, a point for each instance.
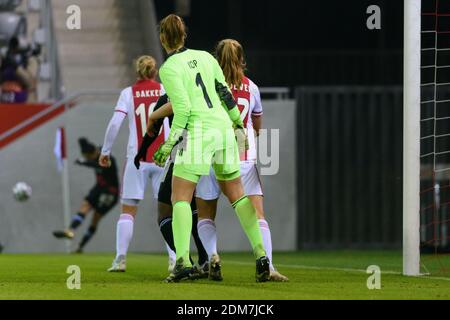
(435, 136)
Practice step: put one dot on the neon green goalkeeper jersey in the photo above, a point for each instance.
(189, 79)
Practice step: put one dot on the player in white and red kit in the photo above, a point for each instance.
(137, 103)
(230, 55)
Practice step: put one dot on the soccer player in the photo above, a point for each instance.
(101, 199)
(135, 102)
(163, 109)
(191, 78)
(230, 56)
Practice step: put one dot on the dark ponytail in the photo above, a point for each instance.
(172, 32)
(230, 55)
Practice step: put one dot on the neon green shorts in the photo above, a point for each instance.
(183, 172)
(193, 161)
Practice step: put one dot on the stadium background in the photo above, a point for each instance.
(339, 184)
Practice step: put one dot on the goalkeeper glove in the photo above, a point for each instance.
(241, 137)
(234, 114)
(162, 154)
(142, 153)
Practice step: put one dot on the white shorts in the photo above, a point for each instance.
(208, 188)
(135, 181)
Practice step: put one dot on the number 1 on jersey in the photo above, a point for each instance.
(199, 82)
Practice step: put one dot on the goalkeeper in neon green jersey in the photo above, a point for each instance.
(204, 107)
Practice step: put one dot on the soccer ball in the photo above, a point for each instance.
(21, 191)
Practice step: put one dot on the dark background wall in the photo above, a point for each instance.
(290, 43)
(350, 166)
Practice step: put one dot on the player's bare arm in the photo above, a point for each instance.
(165, 111)
(257, 123)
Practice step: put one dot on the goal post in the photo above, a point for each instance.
(411, 137)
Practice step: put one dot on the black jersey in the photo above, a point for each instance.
(106, 178)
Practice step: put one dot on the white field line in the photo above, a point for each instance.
(296, 266)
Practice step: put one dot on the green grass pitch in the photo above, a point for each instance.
(313, 275)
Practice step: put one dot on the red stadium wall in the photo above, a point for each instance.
(17, 120)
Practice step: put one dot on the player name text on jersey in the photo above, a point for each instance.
(148, 93)
(243, 87)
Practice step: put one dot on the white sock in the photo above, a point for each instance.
(171, 253)
(124, 233)
(267, 240)
(207, 233)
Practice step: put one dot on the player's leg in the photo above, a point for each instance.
(79, 217)
(207, 194)
(234, 191)
(202, 254)
(124, 234)
(165, 216)
(182, 193)
(107, 201)
(165, 220)
(183, 187)
(90, 231)
(165, 226)
(257, 202)
(253, 189)
(226, 165)
(206, 225)
(163, 186)
(232, 187)
(133, 188)
(207, 230)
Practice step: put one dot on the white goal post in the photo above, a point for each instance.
(411, 137)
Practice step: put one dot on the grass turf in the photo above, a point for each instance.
(313, 275)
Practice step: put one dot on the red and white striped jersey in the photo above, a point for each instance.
(138, 102)
(248, 100)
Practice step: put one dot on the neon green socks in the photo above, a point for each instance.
(247, 216)
(182, 225)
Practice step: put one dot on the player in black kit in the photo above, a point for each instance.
(165, 190)
(101, 199)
